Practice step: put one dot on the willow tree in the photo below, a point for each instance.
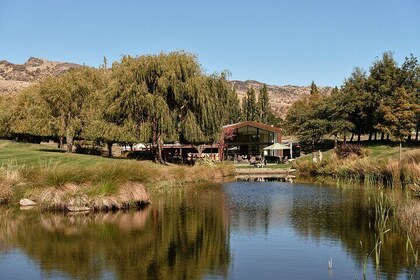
(215, 105)
(65, 99)
(5, 116)
(168, 98)
(101, 124)
(30, 114)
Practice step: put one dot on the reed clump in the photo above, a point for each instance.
(365, 170)
(409, 217)
(11, 181)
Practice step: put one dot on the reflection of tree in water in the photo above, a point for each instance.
(184, 237)
(347, 216)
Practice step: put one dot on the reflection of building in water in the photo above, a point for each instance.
(255, 208)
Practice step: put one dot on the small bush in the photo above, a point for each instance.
(347, 150)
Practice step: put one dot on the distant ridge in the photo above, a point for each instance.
(15, 77)
(281, 97)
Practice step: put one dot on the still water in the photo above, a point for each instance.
(241, 230)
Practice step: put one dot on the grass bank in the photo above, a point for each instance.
(379, 166)
(61, 181)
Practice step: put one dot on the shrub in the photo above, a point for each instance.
(347, 150)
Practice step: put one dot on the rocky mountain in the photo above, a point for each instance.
(15, 77)
(281, 97)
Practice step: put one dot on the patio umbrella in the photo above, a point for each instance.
(277, 146)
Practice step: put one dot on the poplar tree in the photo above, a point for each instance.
(250, 105)
(263, 104)
(314, 89)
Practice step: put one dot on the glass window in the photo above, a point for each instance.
(242, 135)
(271, 137)
(252, 134)
(264, 136)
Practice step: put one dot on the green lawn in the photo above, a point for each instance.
(377, 151)
(36, 155)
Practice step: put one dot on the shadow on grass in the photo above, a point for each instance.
(52, 151)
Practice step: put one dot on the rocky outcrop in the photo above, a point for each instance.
(15, 77)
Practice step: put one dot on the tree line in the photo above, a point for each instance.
(146, 99)
(383, 103)
(150, 99)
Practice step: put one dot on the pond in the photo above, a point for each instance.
(240, 230)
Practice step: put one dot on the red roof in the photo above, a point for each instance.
(254, 124)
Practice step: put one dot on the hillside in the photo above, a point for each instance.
(281, 97)
(15, 77)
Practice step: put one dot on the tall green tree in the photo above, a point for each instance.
(307, 119)
(338, 109)
(250, 107)
(410, 78)
(354, 102)
(314, 89)
(263, 105)
(382, 82)
(398, 115)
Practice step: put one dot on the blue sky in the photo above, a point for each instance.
(276, 42)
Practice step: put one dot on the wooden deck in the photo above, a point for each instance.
(264, 174)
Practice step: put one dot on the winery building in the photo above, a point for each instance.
(249, 138)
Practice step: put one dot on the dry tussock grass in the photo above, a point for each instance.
(129, 195)
(409, 216)
(72, 196)
(10, 179)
